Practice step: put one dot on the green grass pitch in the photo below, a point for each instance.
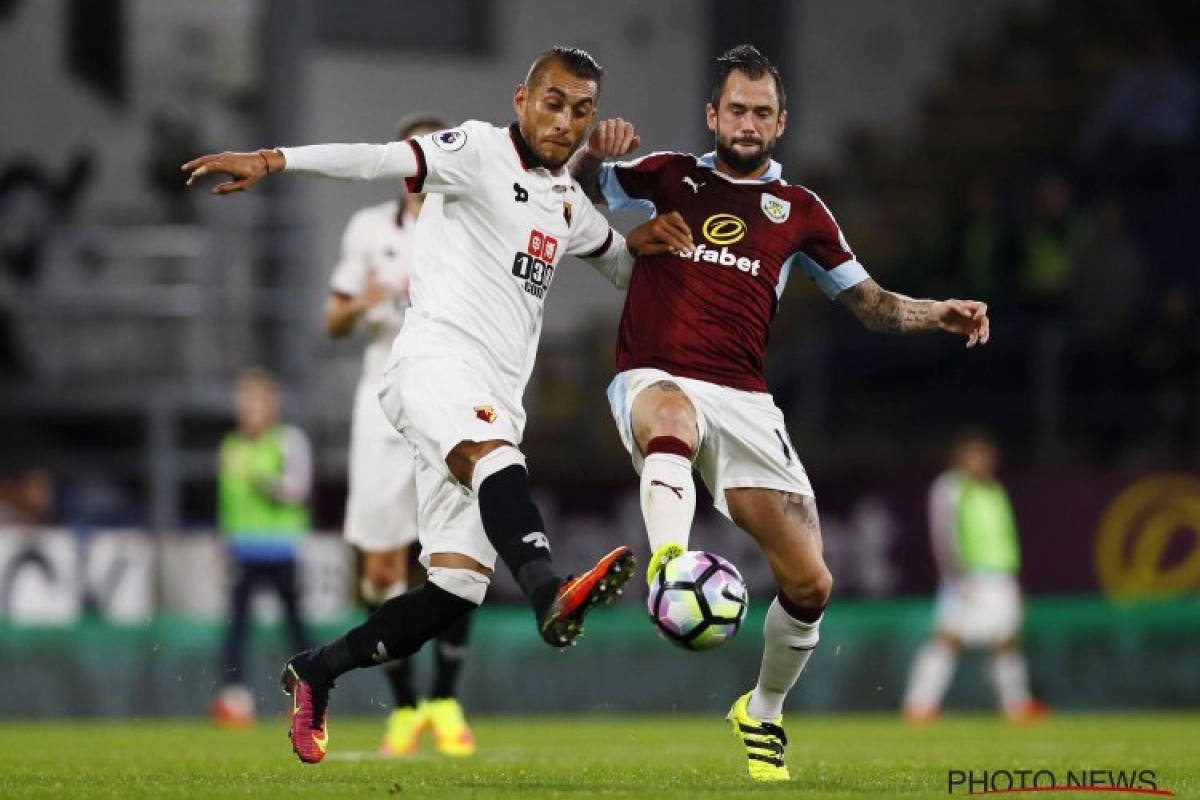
(658, 758)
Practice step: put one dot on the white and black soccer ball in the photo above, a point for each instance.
(697, 601)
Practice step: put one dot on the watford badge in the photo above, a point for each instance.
(486, 413)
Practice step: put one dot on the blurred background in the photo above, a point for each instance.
(1041, 155)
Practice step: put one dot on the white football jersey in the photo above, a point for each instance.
(374, 241)
(494, 230)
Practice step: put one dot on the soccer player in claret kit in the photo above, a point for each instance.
(690, 392)
(502, 212)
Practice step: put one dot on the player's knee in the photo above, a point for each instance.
(379, 587)
(468, 584)
(383, 573)
(674, 417)
(810, 591)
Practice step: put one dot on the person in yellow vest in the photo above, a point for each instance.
(974, 537)
(264, 479)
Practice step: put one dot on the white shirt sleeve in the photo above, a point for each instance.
(944, 498)
(451, 160)
(615, 263)
(294, 485)
(352, 162)
(597, 243)
(350, 273)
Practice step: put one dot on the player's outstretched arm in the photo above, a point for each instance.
(353, 162)
(611, 138)
(246, 169)
(889, 312)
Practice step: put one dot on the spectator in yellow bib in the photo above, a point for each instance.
(264, 479)
(974, 537)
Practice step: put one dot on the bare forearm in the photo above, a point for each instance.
(896, 313)
(341, 315)
(888, 312)
(586, 169)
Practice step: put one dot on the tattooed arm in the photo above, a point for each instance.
(889, 312)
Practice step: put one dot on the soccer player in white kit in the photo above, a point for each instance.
(369, 289)
(502, 213)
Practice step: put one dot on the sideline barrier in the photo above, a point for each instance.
(1085, 654)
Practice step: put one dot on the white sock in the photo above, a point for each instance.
(1011, 677)
(932, 669)
(668, 499)
(787, 644)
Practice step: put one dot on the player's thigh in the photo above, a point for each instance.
(664, 409)
(624, 393)
(788, 531)
(436, 403)
(381, 508)
(745, 445)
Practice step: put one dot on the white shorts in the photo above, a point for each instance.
(381, 509)
(980, 609)
(744, 443)
(436, 403)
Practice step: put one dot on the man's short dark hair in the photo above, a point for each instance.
(421, 120)
(746, 59)
(577, 62)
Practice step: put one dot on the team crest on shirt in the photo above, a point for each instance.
(567, 212)
(776, 210)
(485, 413)
(450, 140)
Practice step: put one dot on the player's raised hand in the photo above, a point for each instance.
(966, 317)
(667, 233)
(612, 138)
(246, 169)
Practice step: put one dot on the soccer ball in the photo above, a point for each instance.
(697, 601)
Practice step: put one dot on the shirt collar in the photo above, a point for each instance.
(774, 170)
(529, 159)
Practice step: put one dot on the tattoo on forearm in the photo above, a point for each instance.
(888, 312)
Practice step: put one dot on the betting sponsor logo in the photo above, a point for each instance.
(535, 267)
(724, 229)
(777, 210)
(723, 257)
(450, 140)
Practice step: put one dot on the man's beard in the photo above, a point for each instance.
(744, 163)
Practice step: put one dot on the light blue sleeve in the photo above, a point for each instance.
(615, 195)
(834, 281)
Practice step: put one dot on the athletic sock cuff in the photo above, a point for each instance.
(669, 444)
(499, 459)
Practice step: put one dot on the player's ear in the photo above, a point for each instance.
(711, 114)
(781, 126)
(519, 99)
